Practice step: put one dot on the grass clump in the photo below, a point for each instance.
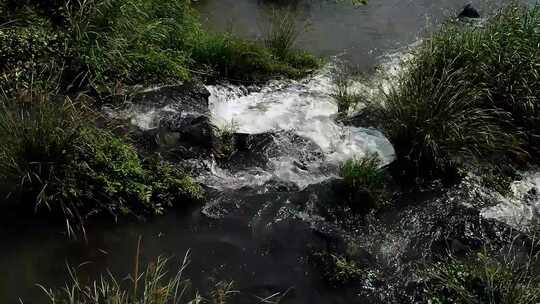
(436, 122)
(152, 286)
(365, 181)
(225, 134)
(343, 270)
(343, 93)
(469, 95)
(226, 56)
(283, 32)
(484, 279)
(55, 161)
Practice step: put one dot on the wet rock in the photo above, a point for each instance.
(276, 185)
(192, 128)
(469, 12)
(188, 97)
(368, 117)
(173, 119)
(257, 150)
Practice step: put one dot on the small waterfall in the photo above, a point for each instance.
(304, 108)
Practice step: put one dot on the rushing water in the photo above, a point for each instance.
(250, 247)
(304, 108)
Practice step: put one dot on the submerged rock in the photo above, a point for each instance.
(192, 128)
(188, 97)
(469, 12)
(419, 229)
(258, 150)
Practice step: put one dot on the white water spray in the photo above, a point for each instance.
(305, 108)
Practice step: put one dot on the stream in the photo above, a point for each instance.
(275, 201)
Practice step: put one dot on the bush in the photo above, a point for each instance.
(365, 180)
(483, 279)
(469, 94)
(53, 158)
(27, 11)
(26, 52)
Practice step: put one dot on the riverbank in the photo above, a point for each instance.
(301, 200)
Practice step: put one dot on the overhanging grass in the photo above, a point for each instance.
(470, 95)
(55, 161)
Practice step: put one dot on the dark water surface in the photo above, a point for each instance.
(232, 249)
(335, 27)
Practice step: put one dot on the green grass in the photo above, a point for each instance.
(484, 279)
(468, 96)
(153, 286)
(225, 134)
(55, 161)
(283, 32)
(365, 180)
(105, 46)
(216, 56)
(343, 93)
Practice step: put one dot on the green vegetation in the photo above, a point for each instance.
(283, 32)
(469, 96)
(343, 93)
(53, 156)
(484, 279)
(341, 270)
(365, 180)
(105, 45)
(225, 134)
(54, 159)
(150, 287)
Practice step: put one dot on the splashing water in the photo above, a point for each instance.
(305, 108)
(522, 206)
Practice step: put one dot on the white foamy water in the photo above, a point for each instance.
(305, 108)
(302, 108)
(522, 206)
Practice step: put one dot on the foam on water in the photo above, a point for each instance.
(522, 206)
(305, 108)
